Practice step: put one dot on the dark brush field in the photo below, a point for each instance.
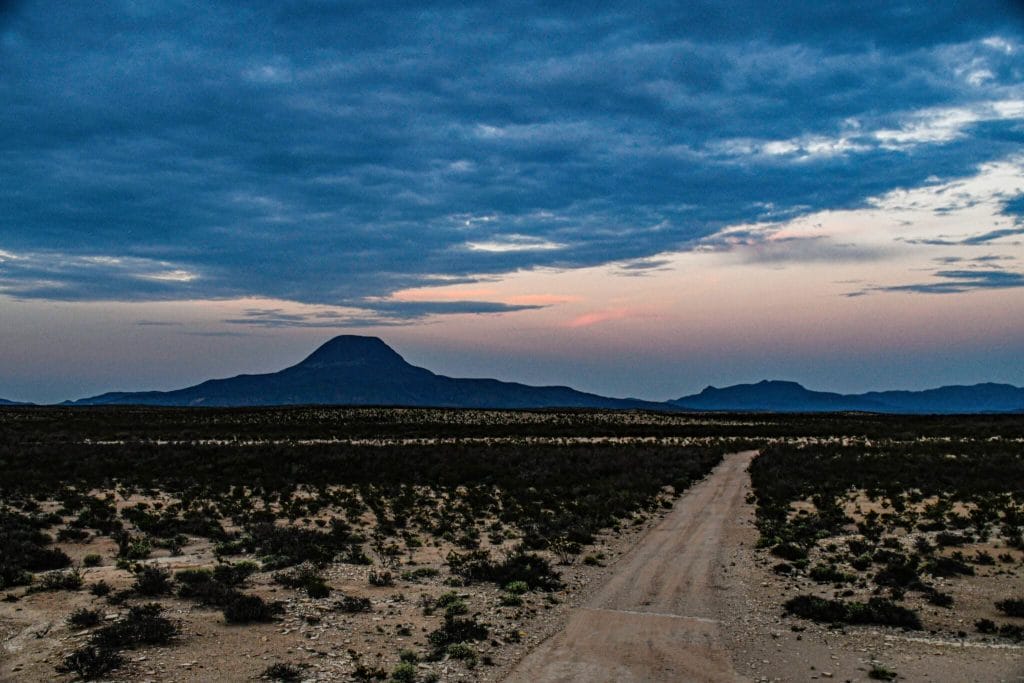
(418, 544)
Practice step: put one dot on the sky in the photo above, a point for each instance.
(635, 201)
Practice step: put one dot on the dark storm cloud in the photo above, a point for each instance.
(336, 152)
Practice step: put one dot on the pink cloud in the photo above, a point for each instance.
(595, 317)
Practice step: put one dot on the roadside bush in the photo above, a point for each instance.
(455, 630)
(529, 568)
(877, 611)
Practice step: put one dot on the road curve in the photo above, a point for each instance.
(657, 617)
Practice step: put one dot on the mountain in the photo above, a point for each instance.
(790, 397)
(5, 402)
(354, 370)
(773, 396)
(976, 398)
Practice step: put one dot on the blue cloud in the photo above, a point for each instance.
(332, 153)
(956, 282)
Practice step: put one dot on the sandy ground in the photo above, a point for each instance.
(693, 601)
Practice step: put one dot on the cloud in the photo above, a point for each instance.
(956, 282)
(970, 240)
(597, 317)
(333, 153)
(70, 277)
(373, 313)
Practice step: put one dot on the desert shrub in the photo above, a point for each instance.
(245, 609)
(91, 560)
(352, 604)
(985, 626)
(876, 611)
(282, 672)
(234, 574)
(84, 617)
(511, 600)
(287, 546)
(405, 672)
(899, 571)
(307, 577)
(100, 588)
(91, 662)
(789, 551)
(25, 549)
(152, 581)
(463, 652)
(192, 576)
(947, 566)
(419, 574)
(1011, 607)
(72, 535)
(880, 673)
(946, 539)
(939, 599)
(381, 579)
(828, 573)
(1012, 631)
(69, 580)
(207, 591)
(532, 569)
(143, 625)
(455, 630)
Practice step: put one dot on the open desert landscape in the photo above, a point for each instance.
(492, 340)
(419, 545)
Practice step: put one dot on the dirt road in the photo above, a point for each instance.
(657, 618)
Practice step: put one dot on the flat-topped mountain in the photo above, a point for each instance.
(790, 397)
(355, 370)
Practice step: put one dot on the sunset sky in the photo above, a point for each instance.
(632, 199)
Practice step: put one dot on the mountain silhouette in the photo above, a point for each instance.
(5, 402)
(355, 370)
(790, 397)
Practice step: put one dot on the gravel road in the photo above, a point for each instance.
(658, 617)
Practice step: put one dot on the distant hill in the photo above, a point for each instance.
(5, 402)
(790, 397)
(354, 370)
(773, 396)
